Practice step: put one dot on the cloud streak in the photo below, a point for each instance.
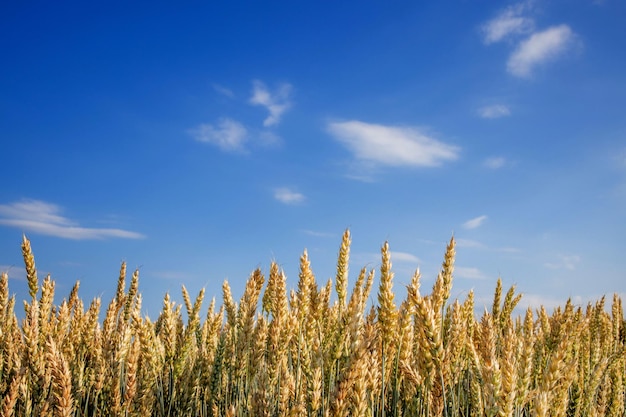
(228, 135)
(475, 222)
(474, 244)
(495, 162)
(316, 233)
(288, 196)
(45, 218)
(226, 92)
(510, 22)
(14, 272)
(468, 273)
(494, 112)
(568, 262)
(404, 257)
(391, 145)
(276, 103)
(536, 301)
(539, 48)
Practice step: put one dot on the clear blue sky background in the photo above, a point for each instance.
(200, 141)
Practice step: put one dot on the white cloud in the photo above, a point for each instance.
(507, 249)
(390, 145)
(229, 135)
(363, 171)
(494, 111)
(510, 22)
(540, 47)
(532, 301)
(404, 257)
(468, 273)
(315, 233)
(535, 301)
(223, 91)
(14, 272)
(568, 262)
(474, 244)
(288, 196)
(276, 103)
(45, 218)
(269, 139)
(475, 222)
(495, 162)
(398, 259)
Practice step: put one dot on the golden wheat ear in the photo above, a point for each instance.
(31, 270)
(341, 280)
(306, 355)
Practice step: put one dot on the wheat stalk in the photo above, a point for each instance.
(301, 353)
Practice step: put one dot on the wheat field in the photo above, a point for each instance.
(316, 350)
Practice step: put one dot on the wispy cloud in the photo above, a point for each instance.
(539, 48)
(398, 259)
(316, 233)
(223, 91)
(508, 249)
(568, 262)
(494, 111)
(391, 145)
(269, 139)
(468, 273)
(232, 136)
(45, 218)
(276, 103)
(229, 135)
(495, 162)
(474, 244)
(14, 272)
(475, 222)
(535, 301)
(404, 257)
(509, 22)
(288, 196)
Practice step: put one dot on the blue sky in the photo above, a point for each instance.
(198, 142)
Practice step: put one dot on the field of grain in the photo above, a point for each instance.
(308, 351)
